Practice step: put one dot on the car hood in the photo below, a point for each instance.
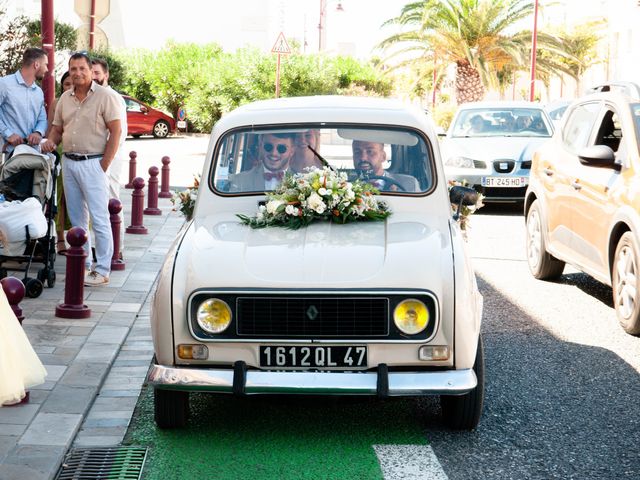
(395, 252)
(490, 148)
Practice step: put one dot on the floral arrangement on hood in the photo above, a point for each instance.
(316, 195)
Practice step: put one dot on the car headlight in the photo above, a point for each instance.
(411, 316)
(214, 315)
(459, 162)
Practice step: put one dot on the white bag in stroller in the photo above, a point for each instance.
(16, 220)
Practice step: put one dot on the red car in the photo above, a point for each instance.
(145, 120)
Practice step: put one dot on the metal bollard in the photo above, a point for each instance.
(14, 291)
(137, 204)
(164, 180)
(152, 193)
(115, 207)
(132, 168)
(74, 282)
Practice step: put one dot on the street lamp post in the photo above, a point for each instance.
(322, 22)
(534, 46)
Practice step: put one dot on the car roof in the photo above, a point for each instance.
(327, 109)
(500, 104)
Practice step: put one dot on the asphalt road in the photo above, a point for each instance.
(563, 382)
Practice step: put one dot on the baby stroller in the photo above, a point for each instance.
(27, 226)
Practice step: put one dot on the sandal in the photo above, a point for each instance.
(61, 247)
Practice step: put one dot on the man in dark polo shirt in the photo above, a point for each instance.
(87, 121)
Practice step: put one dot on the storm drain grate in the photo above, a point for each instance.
(112, 463)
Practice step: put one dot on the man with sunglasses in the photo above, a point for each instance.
(22, 114)
(275, 151)
(87, 120)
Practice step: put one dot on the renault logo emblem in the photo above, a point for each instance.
(312, 312)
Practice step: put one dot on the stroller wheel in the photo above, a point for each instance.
(51, 279)
(33, 287)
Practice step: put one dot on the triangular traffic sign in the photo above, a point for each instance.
(281, 46)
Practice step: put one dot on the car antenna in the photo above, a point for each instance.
(322, 160)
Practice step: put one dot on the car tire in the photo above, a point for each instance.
(542, 265)
(626, 291)
(136, 135)
(462, 412)
(171, 408)
(161, 129)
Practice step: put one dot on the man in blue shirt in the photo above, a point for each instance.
(22, 113)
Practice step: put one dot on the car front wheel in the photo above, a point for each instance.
(462, 412)
(171, 408)
(542, 265)
(161, 129)
(626, 297)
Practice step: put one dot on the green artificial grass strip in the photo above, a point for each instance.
(275, 437)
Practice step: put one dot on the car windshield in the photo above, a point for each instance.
(500, 122)
(251, 161)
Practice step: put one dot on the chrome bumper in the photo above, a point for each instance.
(251, 382)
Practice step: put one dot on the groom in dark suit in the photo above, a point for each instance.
(368, 160)
(275, 152)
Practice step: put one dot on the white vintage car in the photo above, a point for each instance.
(386, 308)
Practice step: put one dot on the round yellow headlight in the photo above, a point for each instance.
(214, 315)
(411, 316)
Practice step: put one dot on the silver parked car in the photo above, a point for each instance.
(490, 144)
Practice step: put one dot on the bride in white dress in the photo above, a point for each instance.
(20, 367)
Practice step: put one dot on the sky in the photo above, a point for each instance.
(234, 23)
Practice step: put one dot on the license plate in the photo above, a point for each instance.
(294, 356)
(504, 181)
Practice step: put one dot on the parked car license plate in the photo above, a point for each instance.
(295, 356)
(504, 181)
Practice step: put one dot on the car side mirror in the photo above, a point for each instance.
(598, 156)
(462, 196)
(144, 109)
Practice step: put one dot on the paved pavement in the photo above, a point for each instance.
(95, 366)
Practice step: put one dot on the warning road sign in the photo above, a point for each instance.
(281, 46)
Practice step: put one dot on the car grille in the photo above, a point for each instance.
(504, 165)
(312, 317)
(479, 164)
(497, 193)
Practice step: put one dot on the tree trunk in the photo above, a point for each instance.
(469, 87)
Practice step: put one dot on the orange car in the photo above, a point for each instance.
(582, 205)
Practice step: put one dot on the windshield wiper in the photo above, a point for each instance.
(322, 160)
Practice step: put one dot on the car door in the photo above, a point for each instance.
(557, 163)
(136, 118)
(595, 196)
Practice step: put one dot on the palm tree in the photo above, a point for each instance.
(472, 34)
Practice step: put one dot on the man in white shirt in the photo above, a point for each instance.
(100, 71)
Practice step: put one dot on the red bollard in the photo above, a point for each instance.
(14, 291)
(74, 283)
(137, 204)
(132, 168)
(115, 207)
(152, 193)
(164, 180)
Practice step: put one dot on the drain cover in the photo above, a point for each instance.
(113, 463)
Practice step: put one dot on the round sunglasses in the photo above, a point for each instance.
(268, 147)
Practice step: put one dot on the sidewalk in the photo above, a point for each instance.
(95, 366)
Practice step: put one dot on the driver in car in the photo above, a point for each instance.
(368, 160)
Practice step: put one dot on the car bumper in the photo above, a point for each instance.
(495, 194)
(252, 382)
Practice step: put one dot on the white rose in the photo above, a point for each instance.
(273, 205)
(315, 202)
(290, 210)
